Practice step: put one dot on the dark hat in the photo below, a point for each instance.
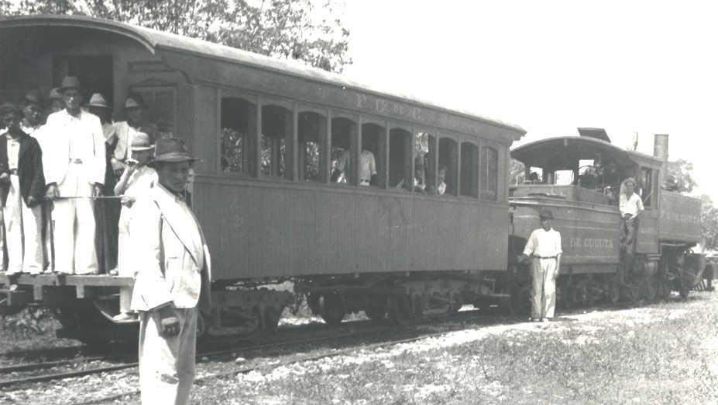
(545, 214)
(7, 107)
(171, 150)
(33, 97)
(55, 94)
(97, 100)
(70, 82)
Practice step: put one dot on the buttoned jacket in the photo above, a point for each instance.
(86, 131)
(29, 169)
(169, 254)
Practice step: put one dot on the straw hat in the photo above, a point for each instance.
(141, 142)
(171, 150)
(97, 100)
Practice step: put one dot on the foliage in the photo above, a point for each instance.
(709, 223)
(296, 29)
(29, 322)
(679, 176)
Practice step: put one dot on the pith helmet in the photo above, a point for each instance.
(70, 82)
(545, 214)
(97, 100)
(171, 150)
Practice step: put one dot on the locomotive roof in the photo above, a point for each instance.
(566, 150)
(154, 41)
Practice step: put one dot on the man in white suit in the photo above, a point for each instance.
(74, 162)
(173, 271)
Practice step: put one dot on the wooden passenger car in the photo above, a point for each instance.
(268, 133)
(579, 181)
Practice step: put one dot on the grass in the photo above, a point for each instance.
(662, 354)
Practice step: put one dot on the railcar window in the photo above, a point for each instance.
(421, 165)
(430, 163)
(400, 156)
(489, 173)
(372, 166)
(239, 124)
(276, 136)
(448, 170)
(312, 132)
(343, 144)
(469, 170)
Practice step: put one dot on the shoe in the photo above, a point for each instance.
(545, 320)
(124, 317)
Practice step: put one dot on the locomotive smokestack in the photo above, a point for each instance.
(660, 146)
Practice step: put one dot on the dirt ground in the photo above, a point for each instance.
(660, 354)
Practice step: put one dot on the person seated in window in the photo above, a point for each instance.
(589, 179)
(367, 168)
(441, 181)
(533, 178)
(419, 185)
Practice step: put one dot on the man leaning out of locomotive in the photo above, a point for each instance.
(22, 187)
(630, 205)
(544, 249)
(173, 268)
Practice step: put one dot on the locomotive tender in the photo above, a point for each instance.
(268, 132)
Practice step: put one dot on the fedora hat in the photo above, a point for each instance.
(141, 142)
(70, 82)
(8, 107)
(171, 150)
(133, 102)
(97, 100)
(545, 214)
(55, 94)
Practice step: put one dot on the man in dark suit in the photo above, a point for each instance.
(22, 186)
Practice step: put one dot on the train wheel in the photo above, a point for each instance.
(399, 308)
(271, 318)
(613, 290)
(650, 288)
(331, 307)
(375, 308)
(520, 299)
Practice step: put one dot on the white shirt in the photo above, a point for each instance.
(13, 153)
(632, 205)
(140, 182)
(543, 243)
(367, 167)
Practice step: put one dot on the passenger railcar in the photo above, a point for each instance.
(269, 134)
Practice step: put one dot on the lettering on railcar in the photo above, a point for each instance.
(590, 243)
(680, 217)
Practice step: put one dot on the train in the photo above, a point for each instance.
(439, 227)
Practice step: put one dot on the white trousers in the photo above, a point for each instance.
(124, 256)
(74, 230)
(23, 232)
(167, 364)
(543, 293)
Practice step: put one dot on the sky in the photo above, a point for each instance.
(631, 67)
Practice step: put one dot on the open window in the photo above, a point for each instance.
(421, 161)
(343, 146)
(372, 155)
(276, 140)
(469, 170)
(448, 170)
(400, 159)
(312, 128)
(646, 185)
(489, 173)
(239, 126)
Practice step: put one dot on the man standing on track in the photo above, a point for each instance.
(173, 268)
(74, 162)
(544, 249)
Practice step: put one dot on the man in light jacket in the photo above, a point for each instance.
(173, 271)
(74, 164)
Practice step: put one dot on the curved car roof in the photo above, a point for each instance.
(156, 41)
(563, 152)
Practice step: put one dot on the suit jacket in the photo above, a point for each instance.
(29, 169)
(124, 132)
(169, 252)
(56, 134)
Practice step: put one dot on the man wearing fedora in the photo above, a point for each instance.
(135, 113)
(107, 212)
(173, 272)
(22, 187)
(544, 250)
(75, 173)
(136, 181)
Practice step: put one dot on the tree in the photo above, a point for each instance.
(709, 223)
(291, 29)
(679, 176)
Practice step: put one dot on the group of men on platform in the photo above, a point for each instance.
(52, 172)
